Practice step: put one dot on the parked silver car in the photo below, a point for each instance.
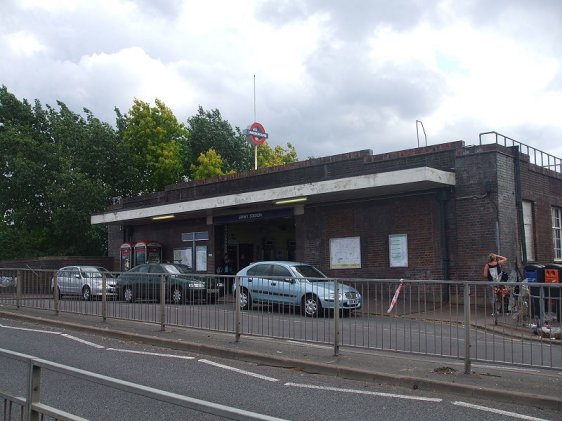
(296, 284)
(8, 281)
(84, 281)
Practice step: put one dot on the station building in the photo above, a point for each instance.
(431, 212)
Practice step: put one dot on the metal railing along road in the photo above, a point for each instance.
(34, 407)
(438, 318)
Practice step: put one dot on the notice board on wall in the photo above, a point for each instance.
(398, 250)
(345, 253)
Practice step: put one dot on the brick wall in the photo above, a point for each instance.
(373, 221)
(544, 189)
(56, 262)
(481, 211)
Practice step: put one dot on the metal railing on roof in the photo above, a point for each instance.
(536, 157)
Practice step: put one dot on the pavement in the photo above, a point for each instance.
(536, 387)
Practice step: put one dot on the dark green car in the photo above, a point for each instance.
(143, 283)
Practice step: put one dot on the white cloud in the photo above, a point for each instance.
(330, 77)
(22, 43)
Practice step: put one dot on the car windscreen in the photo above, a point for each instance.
(176, 269)
(90, 272)
(107, 273)
(307, 271)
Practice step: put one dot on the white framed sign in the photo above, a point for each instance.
(398, 250)
(345, 253)
(183, 256)
(201, 256)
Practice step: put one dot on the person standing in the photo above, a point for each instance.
(492, 269)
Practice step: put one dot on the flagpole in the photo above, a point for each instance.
(255, 146)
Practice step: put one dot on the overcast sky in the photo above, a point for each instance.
(331, 76)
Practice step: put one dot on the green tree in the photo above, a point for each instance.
(88, 173)
(209, 164)
(271, 157)
(208, 130)
(155, 142)
(25, 149)
(57, 169)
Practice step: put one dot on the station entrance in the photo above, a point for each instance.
(257, 236)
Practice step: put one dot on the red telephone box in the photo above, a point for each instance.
(126, 254)
(147, 252)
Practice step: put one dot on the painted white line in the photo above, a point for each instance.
(506, 368)
(365, 392)
(31, 330)
(156, 354)
(498, 411)
(247, 373)
(309, 345)
(82, 341)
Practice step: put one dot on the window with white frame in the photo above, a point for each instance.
(529, 229)
(557, 232)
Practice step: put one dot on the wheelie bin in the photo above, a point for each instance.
(534, 273)
(553, 275)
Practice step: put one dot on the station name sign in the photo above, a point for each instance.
(253, 216)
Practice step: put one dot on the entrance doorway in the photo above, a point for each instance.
(247, 242)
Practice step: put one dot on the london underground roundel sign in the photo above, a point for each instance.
(256, 134)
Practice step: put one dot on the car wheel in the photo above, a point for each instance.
(245, 299)
(311, 306)
(128, 295)
(86, 293)
(176, 295)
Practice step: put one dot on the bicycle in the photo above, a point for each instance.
(501, 301)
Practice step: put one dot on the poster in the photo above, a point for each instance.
(183, 256)
(345, 253)
(201, 256)
(398, 250)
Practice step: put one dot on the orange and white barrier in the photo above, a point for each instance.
(396, 294)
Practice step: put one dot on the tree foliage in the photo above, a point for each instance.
(209, 164)
(271, 157)
(155, 141)
(208, 130)
(59, 167)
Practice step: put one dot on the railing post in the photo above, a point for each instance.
(19, 282)
(56, 292)
(33, 391)
(467, 362)
(336, 319)
(541, 307)
(237, 311)
(163, 303)
(104, 297)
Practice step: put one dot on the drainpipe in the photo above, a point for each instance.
(442, 197)
(519, 202)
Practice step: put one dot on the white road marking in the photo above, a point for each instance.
(247, 373)
(82, 341)
(498, 411)
(130, 351)
(31, 330)
(365, 392)
(506, 368)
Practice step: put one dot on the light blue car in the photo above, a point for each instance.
(293, 283)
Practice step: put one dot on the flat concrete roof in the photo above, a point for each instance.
(361, 186)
